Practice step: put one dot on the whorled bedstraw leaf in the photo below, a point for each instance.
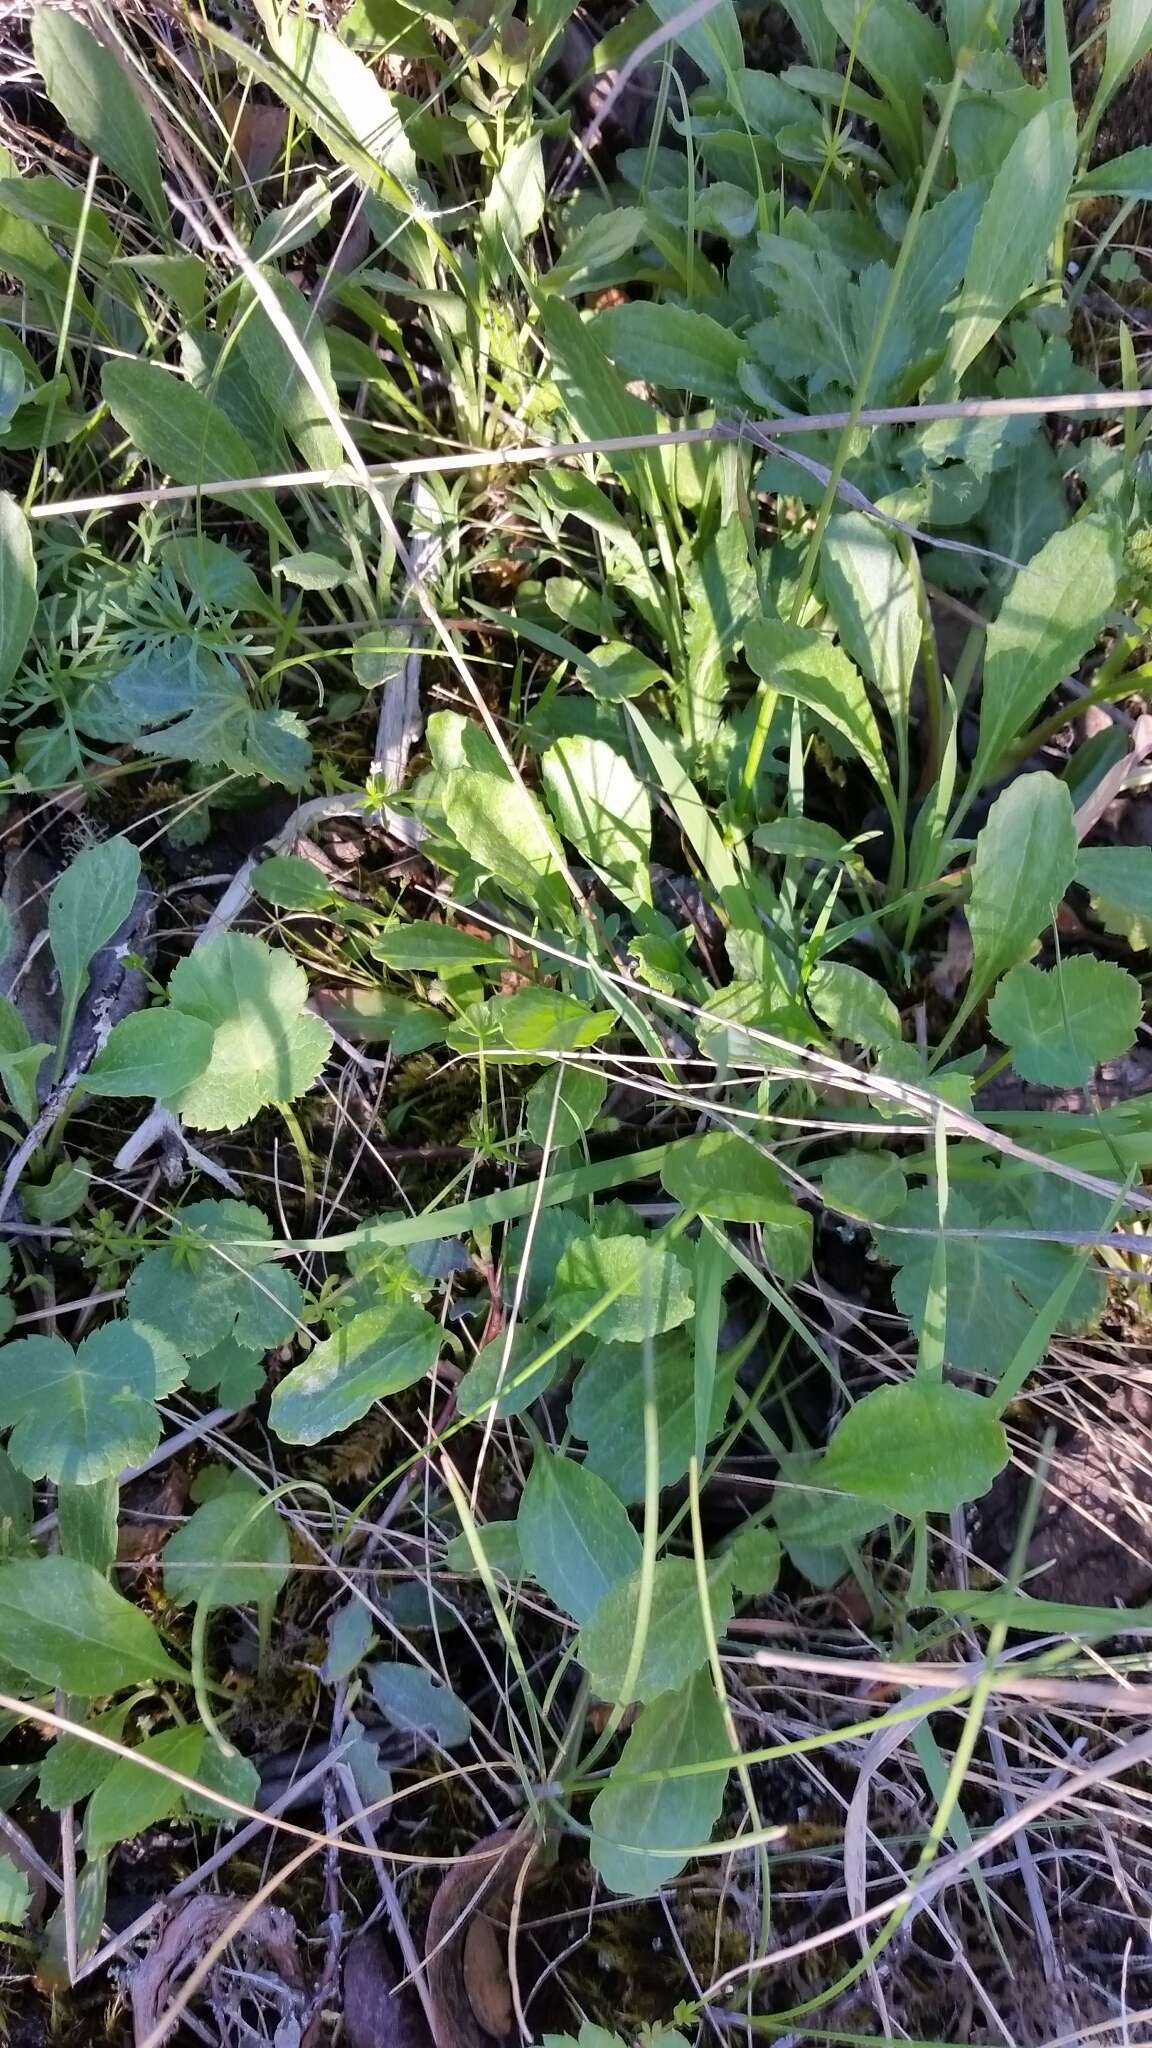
(378, 1353)
(89, 902)
(1060, 1023)
(233, 1552)
(918, 1448)
(649, 1285)
(64, 1625)
(575, 1536)
(1025, 859)
(412, 1700)
(151, 1052)
(266, 1046)
(81, 1416)
(644, 1815)
(675, 1640)
(606, 1410)
(215, 1280)
(602, 808)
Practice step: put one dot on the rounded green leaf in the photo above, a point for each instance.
(631, 1288)
(1060, 1023)
(375, 1354)
(919, 1448)
(723, 1176)
(233, 1552)
(81, 1416)
(852, 1005)
(152, 1052)
(266, 1046)
(215, 1280)
(601, 807)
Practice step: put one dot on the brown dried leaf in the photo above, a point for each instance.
(377, 2014)
(467, 1969)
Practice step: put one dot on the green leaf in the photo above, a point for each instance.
(996, 1284)
(432, 948)
(575, 1536)
(272, 364)
(565, 1100)
(99, 102)
(292, 883)
(722, 1176)
(151, 1052)
(337, 94)
(500, 1544)
(18, 598)
(1012, 244)
(62, 1624)
(1025, 859)
(595, 396)
(1051, 615)
(501, 827)
(73, 1767)
(514, 206)
(675, 349)
(714, 43)
(804, 665)
(867, 1184)
(602, 808)
(88, 904)
(873, 602)
(234, 1777)
(488, 1373)
(377, 1353)
(650, 1287)
(215, 1281)
(642, 1812)
(606, 1410)
(1119, 881)
(676, 1642)
(918, 1448)
(266, 1047)
(81, 1416)
(852, 1005)
(236, 1374)
(1121, 177)
(752, 1561)
(132, 1799)
(350, 1638)
(233, 1552)
(615, 670)
(411, 1699)
(15, 1894)
(186, 435)
(310, 570)
(1061, 1023)
(1129, 40)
